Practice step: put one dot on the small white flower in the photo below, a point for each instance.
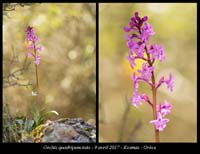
(34, 93)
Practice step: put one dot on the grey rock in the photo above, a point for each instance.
(69, 130)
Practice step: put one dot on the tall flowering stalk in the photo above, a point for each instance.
(33, 51)
(140, 32)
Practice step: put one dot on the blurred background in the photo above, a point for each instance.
(176, 29)
(67, 71)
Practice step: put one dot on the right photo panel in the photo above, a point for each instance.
(147, 72)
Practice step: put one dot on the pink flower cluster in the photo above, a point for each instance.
(33, 49)
(140, 31)
(162, 111)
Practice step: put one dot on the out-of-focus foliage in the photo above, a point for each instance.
(175, 28)
(67, 71)
(11, 7)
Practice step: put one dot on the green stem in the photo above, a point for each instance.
(154, 107)
(154, 90)
(36, 76)
(36, 70)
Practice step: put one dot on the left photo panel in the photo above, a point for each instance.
(49, 73)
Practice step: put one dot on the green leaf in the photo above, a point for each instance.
(49, 112)
(28, 125)
(53, 111)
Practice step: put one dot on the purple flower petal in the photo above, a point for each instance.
(29, 54)
(170, 82)
(145, 18)
(32, 48)
(161, 81)
(131, 60)
(145, 97)
(157, 52)
(146, 72)
(37, 59)
(135, 82)
(159, 123)
(136, 99)
(146, 32)
(126, 29)
(39, 49)
(165, 108)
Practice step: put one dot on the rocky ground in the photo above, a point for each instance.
(68, 130)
